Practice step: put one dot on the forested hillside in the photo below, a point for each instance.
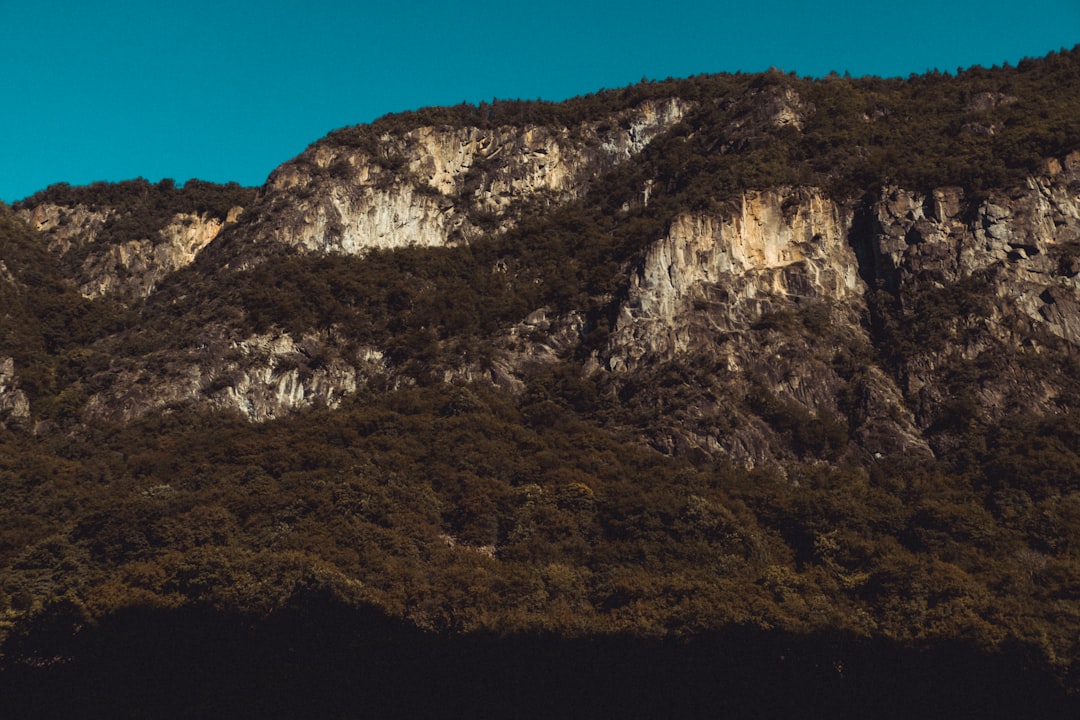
(737, 353)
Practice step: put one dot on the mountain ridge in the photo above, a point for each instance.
(750, 350)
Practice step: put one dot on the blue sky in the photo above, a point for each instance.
(222, 90)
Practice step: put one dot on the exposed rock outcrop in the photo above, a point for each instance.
(1012, 254)
(795, 262)
(132, 267)
(14, 405)
(435, 186)
(67, 227)
(767, 304)
(260, 377)
(1026, 237)
(790, 302)
(727, 272)
(762, 298)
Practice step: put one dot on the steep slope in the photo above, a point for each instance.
(42, 321)
(573, 220)
(733, 350)
(122, 240)
(818, 285)
(442, 185)
(14, 405)
(960, 298)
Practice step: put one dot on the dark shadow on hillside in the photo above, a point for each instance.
(320, 659)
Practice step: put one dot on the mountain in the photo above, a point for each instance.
(746, 351)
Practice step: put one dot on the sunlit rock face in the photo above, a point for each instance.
(781, 295)
(770, 293)
(768, 298)
(435, 186)
(779, 246)
(132, 268)
(261, 377)
(793, 245)
(759, 299)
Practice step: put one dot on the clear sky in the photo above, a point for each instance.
(224, 90)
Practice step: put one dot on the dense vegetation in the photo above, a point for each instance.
(139, 204)
(978, 129)
(459, 508)
(46, 326)
(138, 209)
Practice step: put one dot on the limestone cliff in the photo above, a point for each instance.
(772, 294)
(728, 351)
(771, 301)
(780, 246)
(1015, 254)
(440, 186)
(133, 266)
(434, 186)
(763, 299)
(862, 313)
(261, 377)
(67, 227)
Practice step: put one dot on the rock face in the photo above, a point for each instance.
(770, 295)
(1014, 255)
(67, 227)
(132, 269)
(434, 186)
(769, 303)
(431, 186)
(788, 303)
(129, 269)
(762, 298)
(261, 377)
(781, 246)
(1025, 238)
(14, 405)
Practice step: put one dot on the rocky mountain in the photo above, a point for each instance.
(737, 349)
(705, 292)
(129, 269)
